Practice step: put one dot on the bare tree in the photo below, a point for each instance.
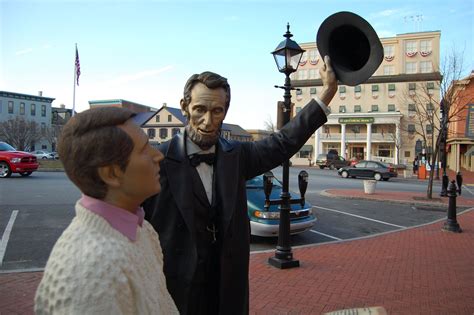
(269, 125)
(51, 134)
(20, 133)
(427, 117)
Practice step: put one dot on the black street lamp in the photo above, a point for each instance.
(444, 137)
(287, 57)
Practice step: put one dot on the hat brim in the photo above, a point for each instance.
(331, 28)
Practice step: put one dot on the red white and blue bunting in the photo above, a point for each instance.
(411, 53)
(389, 58)
(425, 53)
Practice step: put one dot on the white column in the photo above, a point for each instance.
(317, 140)
(369, 142)
(397, 143)
(458, 157)
(343, 140)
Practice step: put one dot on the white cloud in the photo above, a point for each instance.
(24, 51)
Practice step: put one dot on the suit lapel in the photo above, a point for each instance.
(227, 180)
(179, 178)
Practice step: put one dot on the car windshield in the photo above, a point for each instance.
(6, 147)
(257, 182)
(321, 157)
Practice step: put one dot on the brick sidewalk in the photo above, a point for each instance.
(415, 271)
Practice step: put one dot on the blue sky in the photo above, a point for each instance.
(144, 51)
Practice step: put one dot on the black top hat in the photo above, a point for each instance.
(353, 46)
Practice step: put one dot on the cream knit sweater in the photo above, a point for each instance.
(94, 269)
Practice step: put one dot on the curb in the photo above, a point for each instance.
(410, 202)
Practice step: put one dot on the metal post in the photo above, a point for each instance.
(451, 224)
(283, 258)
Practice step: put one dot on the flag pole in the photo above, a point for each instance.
(74, 88)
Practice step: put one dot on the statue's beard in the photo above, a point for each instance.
(204, 142)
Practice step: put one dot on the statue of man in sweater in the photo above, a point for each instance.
(108, 260)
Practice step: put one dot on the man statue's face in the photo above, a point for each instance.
(206, 112)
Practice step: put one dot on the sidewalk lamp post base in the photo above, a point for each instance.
(283, 263)
(452, 227)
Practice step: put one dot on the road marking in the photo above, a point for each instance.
(465, 187)
(333, 237)
(361, 217)
(6, 235)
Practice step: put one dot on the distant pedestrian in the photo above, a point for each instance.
(415, 165)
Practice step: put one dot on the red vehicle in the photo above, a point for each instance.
(13, 161)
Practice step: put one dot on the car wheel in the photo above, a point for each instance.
(344, 174)
(377, 176)
(5, 170)
(24, 174)
(331, 167)
(321, 166)
(44, 158)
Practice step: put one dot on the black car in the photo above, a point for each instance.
(369, 169)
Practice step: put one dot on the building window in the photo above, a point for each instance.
(44, 147)
(411, 129)
(429, 106)
(425, 46)
(312, 90)
(299, 92)
(411, 86)
(175, 131)
(342, 89)
(410, 47)
(389, 70)
(430, 85)
(425, 67)
(22, 108)
(302, 74)
(151, 133)
(313, 74)
(374, 128)
(375, 108)
(388, 51)
(407, 154)
(10, 107)
(342, 109)
(33, 109)
(313, 55)
(163, 133)
(391, 87)
(428, 129)
(391, 107)
(0, 106)
(43, 110)
(375, 88)
(357, 89)
(357, 109)
(384, 150)
(411, 108)
(43, 127)
(169, 118)
(157, 119)
(410, 67)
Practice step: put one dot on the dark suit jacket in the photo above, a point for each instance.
(171, 212)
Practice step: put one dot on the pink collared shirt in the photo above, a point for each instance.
(120, 219)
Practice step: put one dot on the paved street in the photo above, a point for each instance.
(35, 210)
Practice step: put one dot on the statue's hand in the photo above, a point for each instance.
(329, 81)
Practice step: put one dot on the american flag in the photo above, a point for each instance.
(78, 67)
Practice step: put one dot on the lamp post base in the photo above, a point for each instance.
(450, 226)
(283, 263)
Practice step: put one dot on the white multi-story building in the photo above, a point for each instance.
(375, 120)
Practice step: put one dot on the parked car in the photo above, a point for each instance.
(13, 161)
(44, 155)
(369, 169)
(55, 155)
(331, 161)
(266, 222)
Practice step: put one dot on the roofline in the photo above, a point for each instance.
(27, 95)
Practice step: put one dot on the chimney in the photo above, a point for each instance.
(40, 93)
(62, 106)
(164, 104)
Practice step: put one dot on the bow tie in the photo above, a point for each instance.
(197, 159)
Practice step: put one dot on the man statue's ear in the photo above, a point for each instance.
(184, 108)
(111, 175)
